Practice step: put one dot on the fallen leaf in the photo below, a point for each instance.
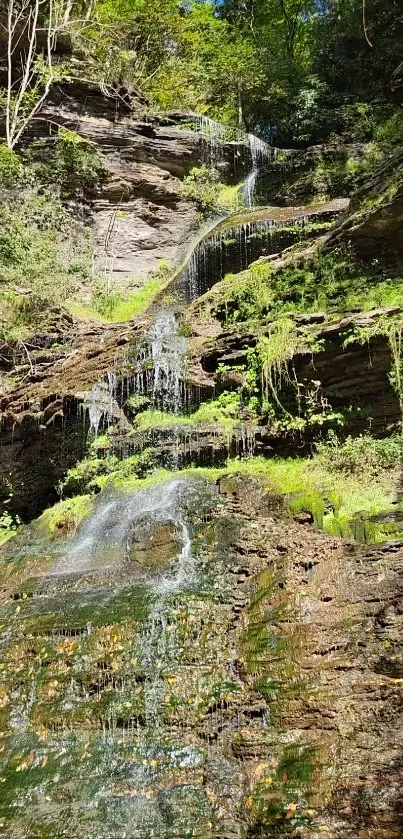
(290, 810)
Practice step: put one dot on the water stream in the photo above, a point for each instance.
(124, 706)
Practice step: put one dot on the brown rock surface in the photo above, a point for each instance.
(341, 609)
(140, 217)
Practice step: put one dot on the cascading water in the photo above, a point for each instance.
(129, 711)
(168, 349)
(217, 135)
(231, 249)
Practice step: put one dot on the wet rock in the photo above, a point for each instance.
(154, 545)
(373, 227)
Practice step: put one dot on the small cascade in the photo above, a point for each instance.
(261, 152)
(233, 249)
(155, 372)
(249, 188)
(100, 402)
(217, 135)
(106, 537)
(168, 350)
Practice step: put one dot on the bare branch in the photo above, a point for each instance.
(364, 23)
(36, 77)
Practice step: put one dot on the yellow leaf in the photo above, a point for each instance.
(260, 769)
(268, 781)
(290, 810)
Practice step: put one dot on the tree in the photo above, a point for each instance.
(31, 28)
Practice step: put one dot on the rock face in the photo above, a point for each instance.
(265, 696)
(43, 426)
(354, 375)
(374, 225)
(140, 217)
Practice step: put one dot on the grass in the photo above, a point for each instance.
(333, 497)
(120, 309)
(223, 411)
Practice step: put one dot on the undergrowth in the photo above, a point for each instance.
(333, 282)
(342, 485)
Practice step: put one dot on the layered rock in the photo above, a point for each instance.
(276, 704)
(373, 227)
(140, 216)
(355, 376)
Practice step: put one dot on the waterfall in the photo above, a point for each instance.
(249, 188)
(105, 539)
(216, 135)
(168, 350)
(100, 401)
(231, 249)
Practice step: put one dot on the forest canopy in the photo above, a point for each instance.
(293, 71)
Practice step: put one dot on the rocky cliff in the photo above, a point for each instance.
(197, 642)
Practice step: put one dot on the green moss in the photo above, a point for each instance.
(93, 473)
(312, 501)
(8, 527)
(97, 608)
(335, 280)
(110, 307)
(65, 516)
(230, 197)
(334, 498)
(223, 411)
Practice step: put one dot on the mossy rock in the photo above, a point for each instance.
(309, 501)
(64, 518)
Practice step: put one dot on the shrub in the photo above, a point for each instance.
(391, 131)
(12, 169)
(75, 166)
(202, 185)
(363, 455)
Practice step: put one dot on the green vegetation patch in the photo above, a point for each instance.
(330, 282)
(223, 411)
(342, 485)
(65, 516)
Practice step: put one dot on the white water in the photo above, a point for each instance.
(101, 402)
(105, 539)
(215, 134)
(249, 188)
(168, 350)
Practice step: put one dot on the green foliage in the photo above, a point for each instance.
(44, 256)
(223, 411)
(74, 166)
(111, 305)
(94, 472)
(202, 184)
(391, 131)
(12, 169)
(271, 356)
(334, 280)
(336, 498)
(361, 456)
(8, 527)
